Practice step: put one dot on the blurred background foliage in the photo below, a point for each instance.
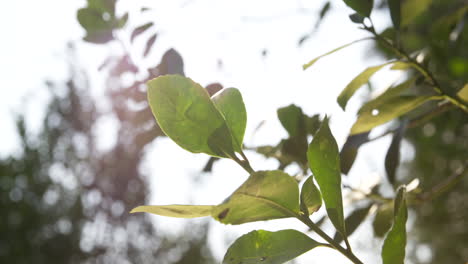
(64, 201)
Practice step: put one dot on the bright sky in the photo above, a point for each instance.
(205, 31)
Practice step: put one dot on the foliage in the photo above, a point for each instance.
(180, 106)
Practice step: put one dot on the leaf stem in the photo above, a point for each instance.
(419, 67)
(244, 163)
(346, 252)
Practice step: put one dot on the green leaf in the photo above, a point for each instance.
(350, 149)
(356, 18)
(187, 115)
(389, 93)
(121, 22)
(267, 247)
(392, 158)
(356, 83)
(311, 199)
(363, 7)
(395, 12)
(265, 195)
(383, 219)
(292, 119)
(393, 250)
(310, 63)
(139, 30)
(463, 93)
(149, 44)
(229, 102)
(411, 9)
(324, 161)
(390, 109)
(353, 221)
(180, 211)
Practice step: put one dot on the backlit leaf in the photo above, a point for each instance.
(390, 109)
(356, 83)
(310, 63)
(230, 103)
(265, 195)
(180, 211)
(383, 219)
(363, 7)
(267, 247)
(463, 93)
(324, 161)
(393, 250)
(311, 199)
(187, 115)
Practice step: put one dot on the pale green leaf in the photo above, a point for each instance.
(310, 63)
(230, 103)
(311, 199)
(390, 109)
(393, 250)
(187, 115)
(463, 93)
(324, 161)
(175, 210)
(265, 195)
(267, 247)
(356, 83)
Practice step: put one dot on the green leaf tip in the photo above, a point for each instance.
(267, 247)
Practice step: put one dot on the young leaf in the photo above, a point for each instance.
(395, 12)
(324, 161)
(463, 93)
(363, 7)
(392, 158)
(139, 30)
(187, 115)
(311, 199)
(393, 250)
(229, 102)
(267, 247)
(310, 63)
(389, 93)
(350, 149)
(353, 221)
(180, 211)
(383, 219)
(391, 108)
(265, 195)
(149, 44)
(356, 83)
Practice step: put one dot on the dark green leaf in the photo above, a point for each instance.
(265, 195)
(383, 219)
(311, 199)
(187, 115)
(363, 7)
(149, 44)
(310, 63)
(389, 93)
(353, 221)
(411, 9)
(391, 108)
(267, 247)
(356, 83)
(171, 63)
(180, 211)
(231, 105)
(292, 119)
(356, 18)
(350, 149)
(121, 22)
(139, 30)
(324, 161)
(392, 158)
(395, 12)
(103, 6)
(324, 10)
(312, 124)
(393, 250)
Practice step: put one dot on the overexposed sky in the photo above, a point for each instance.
(204, 32)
